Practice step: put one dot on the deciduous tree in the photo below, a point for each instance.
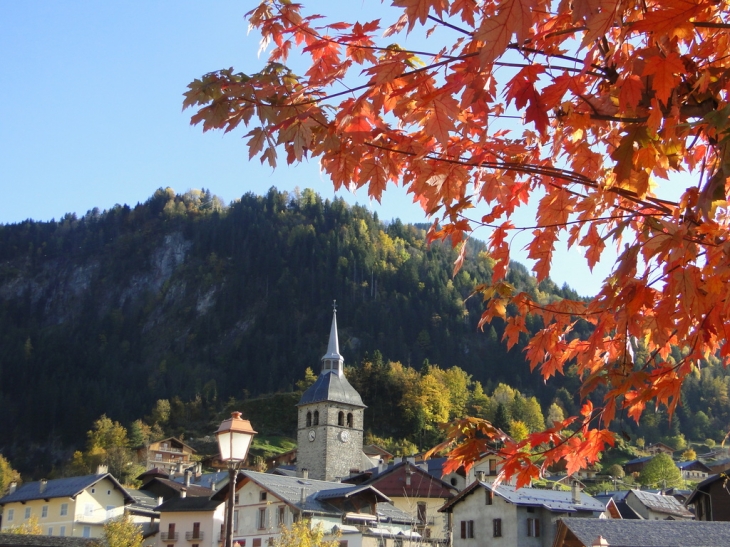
(583, 110)
(661, 472)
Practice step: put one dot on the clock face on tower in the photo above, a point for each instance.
(312, 434)
(344, 435)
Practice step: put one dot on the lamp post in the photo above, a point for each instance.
(234, 439)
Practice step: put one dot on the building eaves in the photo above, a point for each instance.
(68, 487)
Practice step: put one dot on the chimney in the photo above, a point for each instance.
(305, 473)
(303, 495)
(411, 460)
(13, 487)
(42, 486)
(183, 492)
(575, 491)
(382, 466)
(480, 475)
(409, 472)
(160, 500)
(102, 469)
(187, 477)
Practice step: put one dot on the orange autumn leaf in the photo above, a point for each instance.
(587, 112)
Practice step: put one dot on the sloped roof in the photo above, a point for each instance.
(143, 501)
(434, 487)
(68, 487)
(647, 533)
(639, 460)
(553, 500)
(20, 540)
(668, 505)
(192, 490)
(181, 505)
(204, 480)
(331, 386)
(696, 464)
(702, 487)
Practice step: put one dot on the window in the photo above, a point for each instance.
(497, 527)
(256, 542)
(349, 419)
(492, 467)
(64, 509)
(489, 498)
(533, 528)
(261, 520)
(421, 511)
(341, 418)
(281, 520)
(86, 532)
(309, 419)
(158, 457)
(262, 496)
(50, 530)
(27, 513)
(236, 498)
(343, 543)
(108, 492)
(235, 520)
(453, 481)
(467, 529)
(62, 531)
(44, 512)
(316, 418)
(11, 514)
(196, 529)
(93, 490)
(398, 542)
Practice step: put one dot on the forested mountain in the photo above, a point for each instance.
(180, 296)
(183, 299)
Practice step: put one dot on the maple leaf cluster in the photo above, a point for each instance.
(611, 97)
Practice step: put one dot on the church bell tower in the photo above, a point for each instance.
(330, 420)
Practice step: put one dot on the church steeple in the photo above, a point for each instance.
(332, 360)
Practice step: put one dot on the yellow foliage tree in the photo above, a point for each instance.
(303, 534)
(122, 532)
(29, 528)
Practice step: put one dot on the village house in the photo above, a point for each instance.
(266, 502)
(74, 506)
(694, 470)
(191, 521)
(168, 454)
(483, 514)
(711, 499)
(414, 491)
(659, 448)
(652, 506)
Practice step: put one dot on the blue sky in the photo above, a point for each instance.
(90, 111)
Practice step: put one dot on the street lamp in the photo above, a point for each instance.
(234, 439)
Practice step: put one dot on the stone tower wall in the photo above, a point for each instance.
(328, 457)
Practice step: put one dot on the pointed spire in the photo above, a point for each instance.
(332, 360)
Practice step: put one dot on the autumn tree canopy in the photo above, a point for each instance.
(610, 116)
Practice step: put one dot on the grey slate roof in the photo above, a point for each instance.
(143, 500)
(662, 504)
(650, 533)
(553, 500)
(205, 480)
(61, 488)
(331, 386)
(17, 540)
(289, 490)
(180, 505)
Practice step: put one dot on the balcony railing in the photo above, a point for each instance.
(190, 536)
(168, 536)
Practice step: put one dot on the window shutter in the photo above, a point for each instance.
(463, 529)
